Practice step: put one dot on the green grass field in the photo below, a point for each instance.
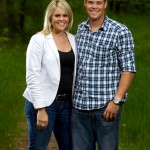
(12, 84)
(135, 122)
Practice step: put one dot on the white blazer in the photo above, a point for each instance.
(43, 69)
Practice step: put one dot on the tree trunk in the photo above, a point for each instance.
(11, 18)
(118, 5)
(22, 17)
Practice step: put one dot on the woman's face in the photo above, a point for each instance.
(59, 20)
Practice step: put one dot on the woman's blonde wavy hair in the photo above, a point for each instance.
(47, 27)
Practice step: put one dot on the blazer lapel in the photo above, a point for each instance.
(72, 42)
(52, 45)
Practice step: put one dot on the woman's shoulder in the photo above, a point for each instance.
(37, 39)
(38, 36)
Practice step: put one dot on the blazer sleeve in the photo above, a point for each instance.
(33, 69)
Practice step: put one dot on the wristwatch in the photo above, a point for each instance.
(117, 101)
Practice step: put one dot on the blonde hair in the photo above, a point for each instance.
(47, 27)
(104, 0)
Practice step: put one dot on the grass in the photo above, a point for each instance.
(135, 132)
(12, 71)
(135, 122)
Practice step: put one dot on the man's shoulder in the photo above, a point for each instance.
(82, 25)
(117, 26)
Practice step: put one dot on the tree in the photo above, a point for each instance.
(22, 17)
(118, 5)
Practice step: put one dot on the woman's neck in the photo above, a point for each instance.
(61, 41)
(59, 34)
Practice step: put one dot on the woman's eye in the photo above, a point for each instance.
(57, 15)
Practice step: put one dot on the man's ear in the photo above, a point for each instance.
(84, 2)
(105, 3)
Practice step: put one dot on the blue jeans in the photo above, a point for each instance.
(59, 115)
(89, 128)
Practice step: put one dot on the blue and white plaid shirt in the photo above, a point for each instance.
(102, 57)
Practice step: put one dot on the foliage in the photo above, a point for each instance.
(25, 17)
(136, 6)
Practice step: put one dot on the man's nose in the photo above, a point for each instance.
(94, 5)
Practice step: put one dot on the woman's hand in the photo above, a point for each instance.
(42, 119)
(111, 111)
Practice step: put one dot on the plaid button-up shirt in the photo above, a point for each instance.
(102, 57)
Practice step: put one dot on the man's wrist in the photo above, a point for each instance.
(117, 101)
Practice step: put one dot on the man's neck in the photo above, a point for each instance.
(96, 24)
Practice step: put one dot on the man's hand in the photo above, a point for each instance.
(111, 111)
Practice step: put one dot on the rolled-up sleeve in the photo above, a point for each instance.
(126, 55)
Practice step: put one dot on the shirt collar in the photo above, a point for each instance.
(102, 28)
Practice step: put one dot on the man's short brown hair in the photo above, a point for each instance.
(104, 0)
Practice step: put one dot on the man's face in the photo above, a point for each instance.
(95, 8)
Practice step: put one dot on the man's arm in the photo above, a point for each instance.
(124, 84)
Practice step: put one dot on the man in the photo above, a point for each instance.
(106, 67)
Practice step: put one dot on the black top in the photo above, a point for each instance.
(67, 68)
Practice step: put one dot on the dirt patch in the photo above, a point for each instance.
(22, 142)
(53, 144)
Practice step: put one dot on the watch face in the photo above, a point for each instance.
(116, 101)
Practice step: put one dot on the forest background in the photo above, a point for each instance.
(20, 19)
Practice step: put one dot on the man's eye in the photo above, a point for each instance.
(99, 2)
(90, 2)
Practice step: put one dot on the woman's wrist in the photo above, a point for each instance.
(41, 109)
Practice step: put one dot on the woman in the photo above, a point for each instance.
(50, 65)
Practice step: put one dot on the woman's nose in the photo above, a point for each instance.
(61, 18)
